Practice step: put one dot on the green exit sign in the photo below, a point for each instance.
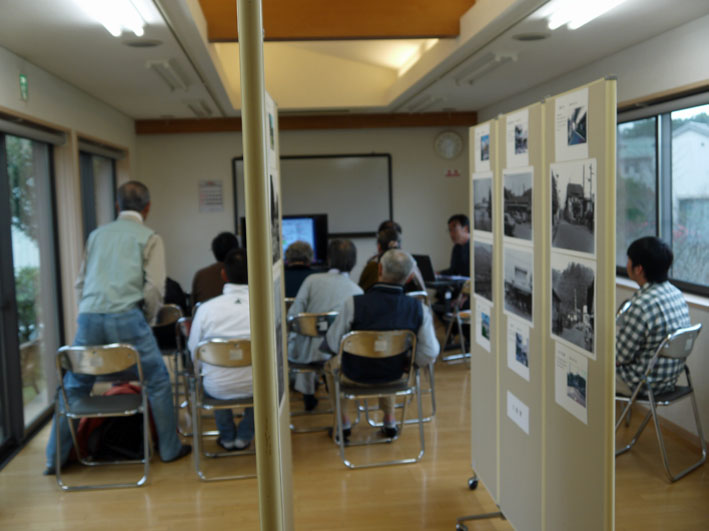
(24, 87)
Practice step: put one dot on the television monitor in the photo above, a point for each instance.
(311, 228)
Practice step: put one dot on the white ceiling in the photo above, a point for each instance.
(55, 35)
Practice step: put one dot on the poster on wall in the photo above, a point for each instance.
(573, 206)
(518, 412)
(518, 267)
(518, 139)
(518, 347)
(482, 265)
(517, 203)
(571, 382)
(572, 296)
(571, 125)
(482, 202)
(483, 311)
(211, 196)
(482, 147)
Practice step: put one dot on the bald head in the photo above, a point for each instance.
(395, 266)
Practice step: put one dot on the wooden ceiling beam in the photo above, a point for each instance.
(289, 20)
(293, 123)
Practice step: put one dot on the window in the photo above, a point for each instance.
(663, 185)
(98, 185)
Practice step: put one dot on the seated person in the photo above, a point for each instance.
(383, 307)
(208, 282)
(227, 316)
(459, 231)
(656, 310)
(386, 224)
(319, 293)
(299, 256)
(388, 238)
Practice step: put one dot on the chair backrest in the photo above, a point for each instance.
(289, 302)
(466, 288)
(224, 352)
(311, 324)
(378, 343)
(680, 343)
(421, 296)
(167, 315)
(98, 360)
(624, 307)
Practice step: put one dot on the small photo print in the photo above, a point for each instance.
(576, 125)
(519, 269)
(485, 147)
(518, 204)
(573, 205)
(485, 325)
(571, 382)
(521, 349)
(571, 125)
(576, 387)
(482, 204)
(518, 346)
(521, 134)
(483, 309)
(572, 312)
(482, 257)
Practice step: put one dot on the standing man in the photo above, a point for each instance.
(656, 310)
(120, 289)
(459, 230)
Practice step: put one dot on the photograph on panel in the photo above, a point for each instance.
(275, 222)
(571, 382)
(572, 293)
(278, 327)
(573, 205)
(482, 259)
(518, 347)
(482, 203)
(517, 129)
(518, 263)
(517, 197)
(571, 125)
(485, 147)
(482, 323)
(482, 147)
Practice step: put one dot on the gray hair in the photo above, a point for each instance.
(397, 265)
(299, 251)
(133, 195)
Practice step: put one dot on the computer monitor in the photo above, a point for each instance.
(310, 228)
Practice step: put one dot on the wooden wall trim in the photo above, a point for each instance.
(293, 123)
(666, 95)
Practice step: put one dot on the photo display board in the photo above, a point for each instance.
(542, 362)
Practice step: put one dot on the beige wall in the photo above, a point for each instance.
(423, 198)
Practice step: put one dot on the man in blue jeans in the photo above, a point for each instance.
(120, 289)
(227, 316)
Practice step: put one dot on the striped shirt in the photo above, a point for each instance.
(656, 310)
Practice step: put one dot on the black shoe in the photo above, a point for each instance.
(346, 432)
(186, 449)
(310, 402)
(390, 431)
(50, 471)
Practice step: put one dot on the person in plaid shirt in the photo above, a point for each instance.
(656, 310)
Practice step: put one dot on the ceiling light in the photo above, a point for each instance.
(574, 13)
(170, 73)
(115, 15)
(482, 66)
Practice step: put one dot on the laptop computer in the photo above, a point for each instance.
(423, 261)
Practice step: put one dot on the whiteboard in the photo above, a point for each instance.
(354, 190)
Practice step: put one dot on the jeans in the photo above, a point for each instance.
(125, 327)
(228, 430)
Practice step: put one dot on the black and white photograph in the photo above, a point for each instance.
(521, 135)
(572, 316)
(482, 204)
(519, 267)
(518, 204)
(521, 349)
(573, 202)
(482, 257)
(275, 223)
(576, 388)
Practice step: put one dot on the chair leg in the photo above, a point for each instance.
(636, 436)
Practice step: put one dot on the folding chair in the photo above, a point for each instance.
(378, 345)
(227, 353)
(459, 317)
(183, 372)
(677, 345)
(100, 360)
(310, 325)
(166, 334)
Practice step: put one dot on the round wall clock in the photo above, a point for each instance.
(448, 144)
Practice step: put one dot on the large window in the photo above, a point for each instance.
(98, 185)
(663, 186)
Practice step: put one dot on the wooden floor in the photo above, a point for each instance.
(327, 496)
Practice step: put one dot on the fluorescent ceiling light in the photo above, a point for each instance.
(574, 13)
(115, 15)
(482, 66)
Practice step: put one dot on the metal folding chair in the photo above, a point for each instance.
(677, 345)
(100, 360)
(379, 344)
(459, 317)
(227, 353)
(310, 325)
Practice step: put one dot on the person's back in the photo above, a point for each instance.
(657, 309)
(299, 257)
(208, 282)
